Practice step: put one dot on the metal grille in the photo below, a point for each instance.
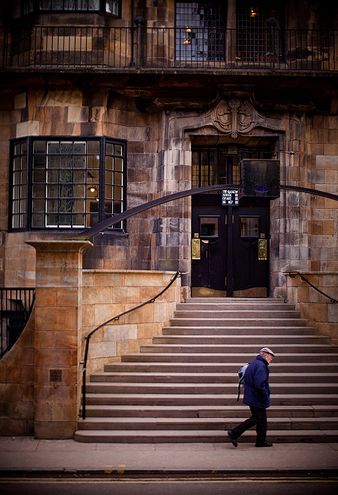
(200, 31)
(258, 31)
(221, 165)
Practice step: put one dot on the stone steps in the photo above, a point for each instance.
(207, 388)
(231, 348)
(208, 411)
(243, 330)
(228, 367)
(130, 424)
(183, 386)
(204, 399)
(256, 340)
(200, 436)
(229, 322)
(222, 357)
(234, 313)
(230, 378)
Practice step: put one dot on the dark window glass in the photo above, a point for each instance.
(221, 165)
(112, 7)
(209, 226)
(259, 31)
(200, 28)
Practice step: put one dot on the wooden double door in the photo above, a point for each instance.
(230, 247)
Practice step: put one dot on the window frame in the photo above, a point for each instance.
(25, 218)
(36, 8)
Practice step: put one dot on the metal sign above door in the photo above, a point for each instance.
(230, 197)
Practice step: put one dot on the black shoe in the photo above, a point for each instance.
(232, 439)
(265, 444)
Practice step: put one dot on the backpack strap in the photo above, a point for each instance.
(239, 391)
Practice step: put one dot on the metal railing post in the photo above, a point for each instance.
(140, 22)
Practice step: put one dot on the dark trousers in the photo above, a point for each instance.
(258, 418)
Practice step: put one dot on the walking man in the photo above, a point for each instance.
(257, 397)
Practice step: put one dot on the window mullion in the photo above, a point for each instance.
(102, 178)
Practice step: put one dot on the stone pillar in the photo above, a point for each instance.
(57, 336)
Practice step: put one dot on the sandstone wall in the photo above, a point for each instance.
(17, 385)
(319, 310)
(107, 293)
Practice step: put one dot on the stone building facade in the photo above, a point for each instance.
(106, 106)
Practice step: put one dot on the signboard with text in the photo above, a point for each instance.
(230, 197)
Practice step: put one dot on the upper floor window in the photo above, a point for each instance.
(62, 183)
(112, 7)
(200, 29)
(221, 164)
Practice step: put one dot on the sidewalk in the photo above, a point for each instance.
(26, 454)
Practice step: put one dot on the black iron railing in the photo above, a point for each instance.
(15, 308)
(167, 48)
(114, 318)
(301, 276)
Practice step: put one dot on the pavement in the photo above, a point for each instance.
(29, 455)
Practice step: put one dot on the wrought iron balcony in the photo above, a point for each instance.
(54, 48)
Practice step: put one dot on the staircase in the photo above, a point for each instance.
(183, 387)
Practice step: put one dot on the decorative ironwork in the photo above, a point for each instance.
(196, 48)
(100, 227)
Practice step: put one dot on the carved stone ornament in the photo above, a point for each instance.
(238, 117)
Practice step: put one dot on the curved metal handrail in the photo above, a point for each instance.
(114, 318)
(293, 274)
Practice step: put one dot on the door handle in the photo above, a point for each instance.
(262, 249)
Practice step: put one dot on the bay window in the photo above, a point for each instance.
(66, 183)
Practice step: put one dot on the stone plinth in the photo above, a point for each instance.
(57, 334)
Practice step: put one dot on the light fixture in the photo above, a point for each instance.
(188, 36)
(253, 11)
(92, 189)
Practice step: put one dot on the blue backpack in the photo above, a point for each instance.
(241, 377)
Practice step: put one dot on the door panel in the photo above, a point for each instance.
(250, 225)
(209, 271)
(232, 242)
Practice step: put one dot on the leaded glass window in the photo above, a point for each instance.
(66, 183)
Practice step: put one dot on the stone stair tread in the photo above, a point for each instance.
(202, 331)
(238, 406)
(235, 328)
(234, 335)
(193, 374)
(203, 396)
(203, 367)
(244, 346)
(244, 354)
(272, 318)
(179, 385)
(201, 433)
(195, 364)
(228, 419)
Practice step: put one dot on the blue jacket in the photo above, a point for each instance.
(256, 383)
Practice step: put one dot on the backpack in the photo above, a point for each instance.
(241, 377)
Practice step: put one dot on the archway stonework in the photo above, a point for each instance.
(230, 119)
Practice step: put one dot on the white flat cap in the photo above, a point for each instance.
(267, 350)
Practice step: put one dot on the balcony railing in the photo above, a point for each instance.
(164, 49)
